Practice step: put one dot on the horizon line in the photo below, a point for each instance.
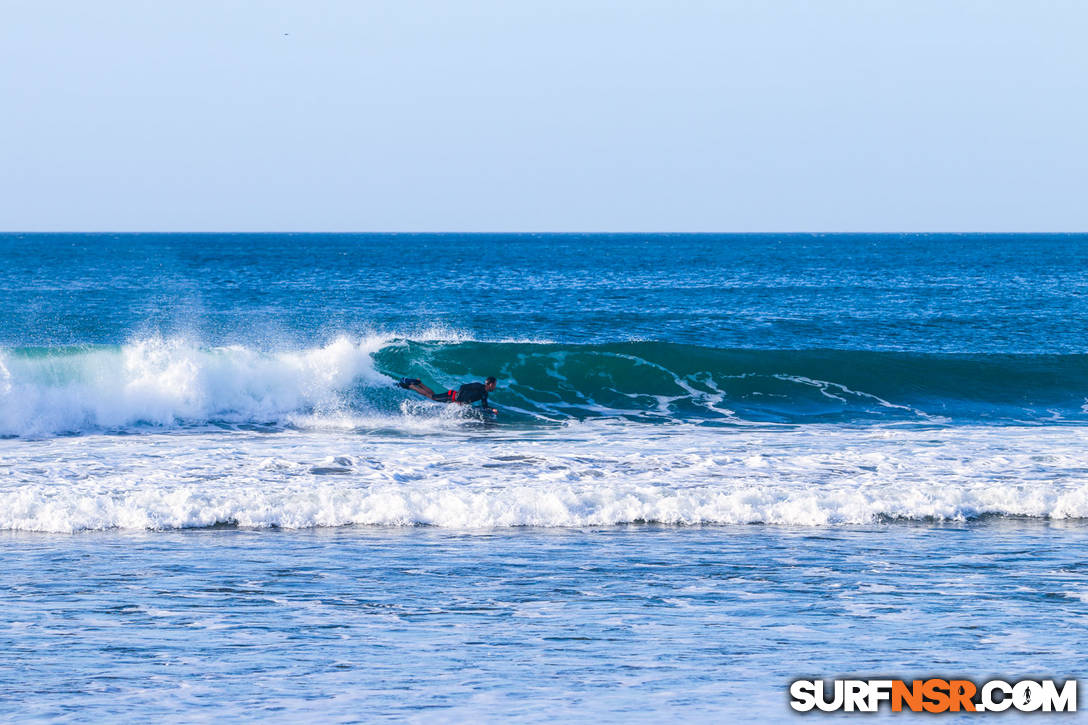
(550, 233)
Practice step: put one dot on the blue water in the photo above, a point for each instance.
(922, 293)
(721, 462)
(628, 623)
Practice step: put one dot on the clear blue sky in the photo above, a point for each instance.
(366, 115)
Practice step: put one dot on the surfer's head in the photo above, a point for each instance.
(489, 384)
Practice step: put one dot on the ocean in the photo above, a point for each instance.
(720, 463)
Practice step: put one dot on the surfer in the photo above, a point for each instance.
(467, 394)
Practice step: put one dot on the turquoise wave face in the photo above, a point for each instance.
(652, 381)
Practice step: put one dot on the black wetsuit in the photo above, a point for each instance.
(468, 393)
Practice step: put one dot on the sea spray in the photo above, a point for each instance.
(158, 382)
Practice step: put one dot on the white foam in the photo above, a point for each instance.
(164, 382)
(589, 474)
(5, 378)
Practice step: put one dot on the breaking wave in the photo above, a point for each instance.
(168, 383)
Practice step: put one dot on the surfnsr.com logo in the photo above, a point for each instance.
(934, 695)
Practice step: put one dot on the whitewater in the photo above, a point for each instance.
(164, 383)
(590, 474)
